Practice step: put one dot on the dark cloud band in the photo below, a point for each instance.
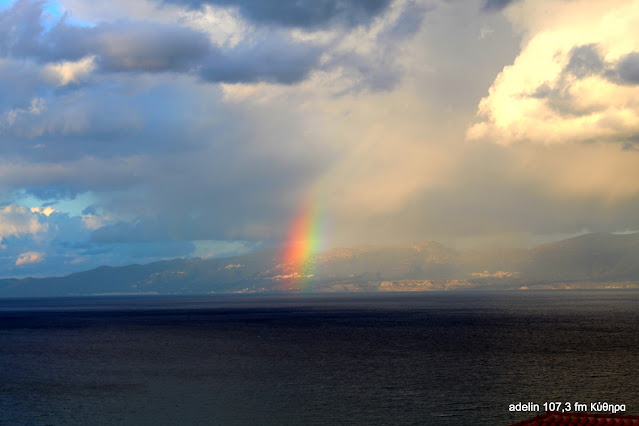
(127, 46)
(299, 13)
(496, 5)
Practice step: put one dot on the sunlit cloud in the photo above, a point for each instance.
(68, 72)
(17, 221)
(572, 81)
(29, 257)
(43, 210)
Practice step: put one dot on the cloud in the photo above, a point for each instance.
(36, 107)
(174, 131)
(17, 221)
(628, 68)
(248, 190)
(74, 50)
(572, 82)
(148, 47)
(371, 59)
(66, 240)
(516, 195)
(584, 61)
(308, 14)
(67, 72)
(20, 28)
(29, 257)
(43, 210)
(409, 22)
(496, 5)
(259, 161)
(74, 54)
(65, 180)
(93, 222)
(273, 59)
(128, 46)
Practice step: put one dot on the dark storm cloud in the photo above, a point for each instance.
(273, 59)
(119, 46)
(272, 56)
(496, 5)
(585, 61)
(69, 125)
(299, 13)
(130, 46)
(628, 68)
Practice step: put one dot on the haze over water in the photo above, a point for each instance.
(421, 358)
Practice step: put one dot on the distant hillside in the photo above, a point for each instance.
(588, 261)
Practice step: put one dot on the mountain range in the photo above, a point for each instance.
(587, 261)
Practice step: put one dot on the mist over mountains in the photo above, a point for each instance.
(587, 261)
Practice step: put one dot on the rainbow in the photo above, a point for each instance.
(305, 238)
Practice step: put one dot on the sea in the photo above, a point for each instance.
(432, 358)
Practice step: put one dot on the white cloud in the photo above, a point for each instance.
(17, 221)
(538, 99)
(67, 72)
(43, 210)
(30, 257)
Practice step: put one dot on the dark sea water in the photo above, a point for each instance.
(420, 358)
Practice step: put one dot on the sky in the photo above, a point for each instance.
(138, 130)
